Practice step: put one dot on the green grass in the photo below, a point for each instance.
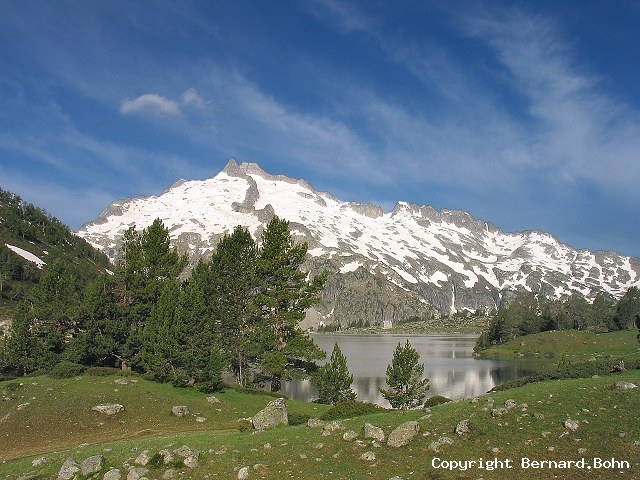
(571, 344)
(58, 423)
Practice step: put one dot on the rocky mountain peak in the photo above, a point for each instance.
(414, 260)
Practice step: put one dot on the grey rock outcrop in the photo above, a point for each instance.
(113, 474)
(463, 428)
(403, 434)
(624, 386)
(275, 413)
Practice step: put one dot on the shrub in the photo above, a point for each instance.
(66, 370)
(102, 371)
(350, 409)
(298, 418)
(436, 400)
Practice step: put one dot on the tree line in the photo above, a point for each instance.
(237, 313)
(529, 313)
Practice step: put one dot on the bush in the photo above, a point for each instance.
(298, 418)
(351, 409)
(436, 400)
(66, 370)
(102, 371)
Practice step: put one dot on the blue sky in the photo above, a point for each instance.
(525, 114)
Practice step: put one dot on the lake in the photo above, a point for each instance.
(448, 364)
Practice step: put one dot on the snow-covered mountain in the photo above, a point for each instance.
(413, 260)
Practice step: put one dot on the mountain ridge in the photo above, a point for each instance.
(411, 261)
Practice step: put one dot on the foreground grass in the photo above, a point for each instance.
(58, 422)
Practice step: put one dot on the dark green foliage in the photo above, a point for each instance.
(298, 418)
(628, 310)
(102, 371)
(350, 410)
(283, 296)
(22, 349)
(436, 400)
(407, 388)
(333, 380)
(529, 313)
(66, 370)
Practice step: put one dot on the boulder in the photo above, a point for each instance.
(435, 446)
(113, 474)
(91, 465)
(403, 434)
(275, 413)
(136, 473)
(624, 386)
(180, 411)
(371, 431)
(571, 425)
(463, 428)
(243, 473)
(108, 409)
(350, 435)
(143, 458)
(68, 470)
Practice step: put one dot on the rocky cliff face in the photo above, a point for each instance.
(412, 261)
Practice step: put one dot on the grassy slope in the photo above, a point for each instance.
(574, 345)
(59, 422)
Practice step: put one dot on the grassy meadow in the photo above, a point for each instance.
(41, 416)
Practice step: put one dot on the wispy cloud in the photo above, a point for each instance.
(152, 103)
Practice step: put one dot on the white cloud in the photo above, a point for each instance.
(150, 102)
(192, 97)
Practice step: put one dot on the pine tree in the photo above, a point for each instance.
(23, 350)
(283, 296)
(233, 272)
(333, 380)
(404, 377)
(628, 310)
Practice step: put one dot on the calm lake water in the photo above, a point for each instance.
(448, 364)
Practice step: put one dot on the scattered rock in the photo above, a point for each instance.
(38, 462)
(136, 473)
(510, 404)
(331, 427)
(68, 470)
(582, 451)
(371, 431)
(180, 411)
(463, 428)
(435, 446)
(167, 456)
(498, 412)
(624, 386)
(201, 419)
(571, 425)
(113, 474)
(368, 456)
(168, 474)
(22, 406)
(108, 409)
(184, 451)
(319, 446)
(243, 473)
(618, 367)
(91, 465)
(350, 435)
(267, 446)
(538, 416)
(143, 458)
(212, 399)
(121, 381)
(403, 434)
(275, 413)
(191, 461)
(315, 423)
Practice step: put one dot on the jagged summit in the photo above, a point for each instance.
(387, 265)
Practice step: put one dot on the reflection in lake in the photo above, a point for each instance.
(448, 360)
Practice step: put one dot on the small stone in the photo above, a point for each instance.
(371, 431)
(267, 446)
(68, 470)
(121, 381)
(510, 404)
(108, 409)
(498, 412)
(403, 434)
(463, 428)
(435, 446)
(243, 473)
(349, 435)
(136, 473)
(91, 465)
(143, 458)
(113, 474)
(582, 451)
(201, 419)
(212, 399)
(319, 446)
(315, 423)
(168, 474)
(191, 461)
(571, 425)
(622, 386)
(39, 461)
(180, 411)
(368, 456)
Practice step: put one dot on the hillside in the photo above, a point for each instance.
(30, 239)
(44, 421)
(413, 261)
